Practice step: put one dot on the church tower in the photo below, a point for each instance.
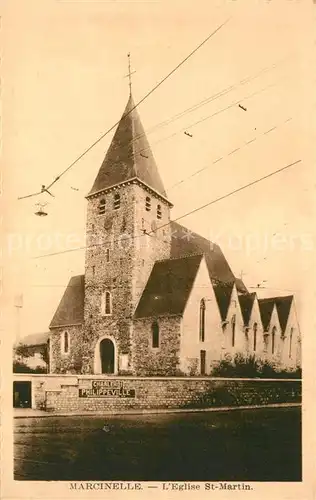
(127, 230)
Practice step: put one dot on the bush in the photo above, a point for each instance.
(20, 367)
(241, 366)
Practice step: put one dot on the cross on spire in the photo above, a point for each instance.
(130, 73)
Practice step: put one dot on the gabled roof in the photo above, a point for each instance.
(283, 305)
(71, 306)
(246, 304)
(266, 308)
(129, 156)
(35, 339)
(186, 242)
(223, 295)
(168, 287)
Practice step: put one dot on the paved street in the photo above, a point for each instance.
(245, 445)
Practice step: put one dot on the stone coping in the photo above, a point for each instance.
(29, 413)
(166, 379)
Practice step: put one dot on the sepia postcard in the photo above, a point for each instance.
(157, 249)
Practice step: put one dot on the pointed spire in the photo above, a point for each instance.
(129, 156)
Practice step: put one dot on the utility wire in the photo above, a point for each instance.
(228, 154)
(202, 207)
(139, 102)
(205, 101)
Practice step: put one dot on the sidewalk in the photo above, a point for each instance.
(30, 413)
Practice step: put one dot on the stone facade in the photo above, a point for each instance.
(120, 262)
(161, 360)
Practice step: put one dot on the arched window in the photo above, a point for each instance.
(148, 204)
(291, 340)
(273, 339)
(106, 303)
(202, 320)
(65, 342)
(233, 323)
(255, 328)
(159, 214)
(102, 206)
(117, 201)
(155, 334)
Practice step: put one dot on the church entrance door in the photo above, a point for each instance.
(107, 356)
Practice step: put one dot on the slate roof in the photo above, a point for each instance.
(283, 305)
(35, 339)
(223, 295)
(168, 287)
(71, 306)
(186, 242)
(129, 156)
(266, 308)
(246, 305)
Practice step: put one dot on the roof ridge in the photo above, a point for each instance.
(181, 257)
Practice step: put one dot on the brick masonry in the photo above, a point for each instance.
(61, 393)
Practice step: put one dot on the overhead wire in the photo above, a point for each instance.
(140, 101)
(202, 207)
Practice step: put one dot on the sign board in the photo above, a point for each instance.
(106, 389)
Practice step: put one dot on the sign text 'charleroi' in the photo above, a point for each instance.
(107, 389)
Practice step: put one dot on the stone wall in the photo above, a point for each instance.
(70, 362)
(164, 360)
(97, 394)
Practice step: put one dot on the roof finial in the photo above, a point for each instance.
(130, 73)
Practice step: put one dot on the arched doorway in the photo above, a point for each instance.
(107, 356)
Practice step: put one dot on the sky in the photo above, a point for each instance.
(65, 66)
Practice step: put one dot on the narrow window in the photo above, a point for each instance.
(273, 339)
(65, 342)
(159, 214)
(106, 304)
(102, 206)
(291, 339)
(233, 323)
(203, 362)
(107, 255)
(202, 320)
(148, 204)
(255, 328)
(155, 334)
(93, 270)
(117, 201)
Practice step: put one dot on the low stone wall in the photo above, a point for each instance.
(95, 394)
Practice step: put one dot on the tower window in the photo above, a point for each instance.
(155, 334)
(148, 204)
(159, 214)
(106, 304)
(107, 255)
(291, 339)
(117, 201)
(93, 270)
(102, 206)
(202, 320)
(273, 339)
(65, 343)
(233, 324)
(255, 328)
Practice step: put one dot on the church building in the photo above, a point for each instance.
(155, 298)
